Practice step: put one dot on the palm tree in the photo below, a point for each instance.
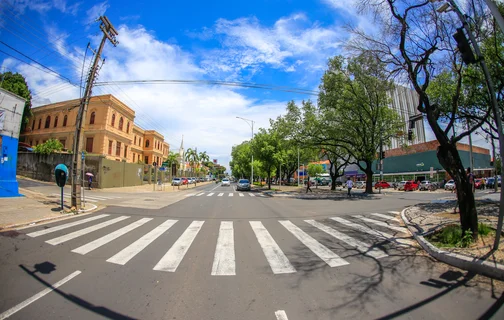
(172, 159)
(203, 158)
(191, 156)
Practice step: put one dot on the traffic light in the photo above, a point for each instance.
(410, 135)
(464, 47)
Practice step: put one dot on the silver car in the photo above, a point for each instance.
(176, 182)
(225, 182)
(243, 184)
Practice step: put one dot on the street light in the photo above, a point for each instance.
(251, 125)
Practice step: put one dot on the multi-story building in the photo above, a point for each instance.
(108, 129)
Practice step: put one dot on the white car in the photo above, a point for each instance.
(450, 185)
(226, 182)
(400, 185)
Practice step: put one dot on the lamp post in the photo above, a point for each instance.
(251, 125)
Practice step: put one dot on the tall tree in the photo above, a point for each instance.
(16, 83)
(266, 147)
(417, 44)
(191, 156)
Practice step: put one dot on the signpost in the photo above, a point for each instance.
(432, 172)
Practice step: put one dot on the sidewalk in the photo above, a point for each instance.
(322, 192)
(152, 188)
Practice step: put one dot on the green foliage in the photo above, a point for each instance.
(484, 229)
(16, 83)
(466, 240)
(48, 147)
(315, 169)
(266, 148)
(451, 236)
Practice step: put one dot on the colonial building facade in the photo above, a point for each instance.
(108, 129)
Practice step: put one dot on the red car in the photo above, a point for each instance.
(410, 186)
(382, 184)
(478, 184)
(184, 181)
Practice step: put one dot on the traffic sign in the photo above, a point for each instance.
(83, 155)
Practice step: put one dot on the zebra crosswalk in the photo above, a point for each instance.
(352, 231)
(87, 197)
(223, 194)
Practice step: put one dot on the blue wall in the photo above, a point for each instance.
(8, 182)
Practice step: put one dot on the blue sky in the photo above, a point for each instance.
(281, 43)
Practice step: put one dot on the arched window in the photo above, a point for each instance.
(39, 123)
(121, 121)
(33, 125)
(47, 122)
(56, 121)
(113, 120)
(147, 143)
(127, 127)
(65, 118)
(92, 118)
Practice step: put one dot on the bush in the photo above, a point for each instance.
(484, 229)
(48, 147)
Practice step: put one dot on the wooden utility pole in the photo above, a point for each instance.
(110, 33)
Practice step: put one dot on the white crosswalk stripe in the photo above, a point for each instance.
(170, 261)
(382, 224)
(65, 226)
(361, 246)
(394, 212)
(133, 249)
(224, 258)
(251, 194)
(109, 237)
(231, 194)
(332, 259)
(84, 231)
(220, 194)
(88, 197)
(276, 258)
(210, 194)
(200, 194)
(376, 233)
(241, 194)
(190, 195)
(386, 217)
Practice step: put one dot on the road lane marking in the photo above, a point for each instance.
(200, 194)
(382, 224)
(171, 260)
(133, 249)
(394, 212)
(39, 295)
(190, 195)
(65, 226)
(88, 247)
(241, 194)
(231, 194)
(332, 259)
(276, 258)
(224, 258)
(220, 194)
(386, 217)
(252, 195)
(361, 246)
(84, 231)
(281, 315)
(210, 194)
(376, 233)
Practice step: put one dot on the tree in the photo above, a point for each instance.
(265, 147)
(172, 160)
(48, 147)
(241, 156)
(416, 44)
(338, 159)
(191, 156)
(16, 83)
(314, 170)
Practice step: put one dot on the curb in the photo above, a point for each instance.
(483, 267)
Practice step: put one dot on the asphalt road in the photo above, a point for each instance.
(222, 254)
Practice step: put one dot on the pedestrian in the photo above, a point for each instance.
(90, 181)
(470, 179)
(308, 185)
(349, 185)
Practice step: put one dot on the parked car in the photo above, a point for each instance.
(360, 184)
(226, 182)
(400, 185)
(410, 186)
(243, 184)
(479, 184)
(450, 185)
(184, 180)
(426, 185)
(382, 184)
(176, 182)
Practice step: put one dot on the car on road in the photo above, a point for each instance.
(243, 185)
(184, 180)
(410, 186)
(225, 182)
(450, 185)
(382, 184)
(176, 182)
(479, 183)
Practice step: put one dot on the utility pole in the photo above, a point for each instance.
(298, 167)
(471, 159)
(110, 33)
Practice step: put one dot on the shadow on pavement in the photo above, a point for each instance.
(48, 267)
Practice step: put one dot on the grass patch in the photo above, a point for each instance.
(451, 236)
(484, 229)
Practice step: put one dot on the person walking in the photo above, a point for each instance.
(349, 185)
(90, 181)
(308, 185)
(470, 178)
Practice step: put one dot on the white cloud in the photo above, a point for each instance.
(96, 11)
(62, 6)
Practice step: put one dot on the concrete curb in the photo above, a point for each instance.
(489, 269)
(342, 195)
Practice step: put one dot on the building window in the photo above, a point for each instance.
(33, 125)
(127, 127)
(110, 147)
(56, 121)
(65, 118)
(47, 122)
(121, 122)
(39, 123)
(146, 160)
(133, 157)
(118, 149)
(147, 143)
(125, 151)
(92, 118)
(135, 141)
(140, 141)
(63, 142)
(89, 145)
(113, 120)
